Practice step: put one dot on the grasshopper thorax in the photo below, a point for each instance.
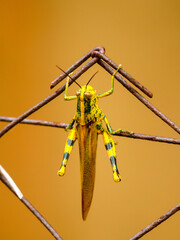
(86, 104)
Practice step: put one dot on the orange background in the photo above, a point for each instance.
(142, 35)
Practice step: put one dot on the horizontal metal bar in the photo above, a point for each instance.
(121, 133)
(35, 122)
(149, 137)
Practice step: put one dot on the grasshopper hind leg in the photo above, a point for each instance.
(68, 148)
(111, 151)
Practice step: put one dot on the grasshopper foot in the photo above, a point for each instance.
(116, 131)
(62, 170)
(116, 176)
(66, 128)
(130, 132)
(120, 130)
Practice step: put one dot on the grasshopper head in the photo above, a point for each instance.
(85, 92)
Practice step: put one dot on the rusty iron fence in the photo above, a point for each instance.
(96, 56)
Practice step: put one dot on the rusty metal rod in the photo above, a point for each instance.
(35, 122)
(37, 214)
(139, 96)
(121, 133)
(123, 72)
(49, 98)
(156, 223)
(148, 137)
(76, 65)
(41, 218)
(78, 74)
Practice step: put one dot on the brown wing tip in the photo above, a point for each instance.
(84, 214)
(86, 203)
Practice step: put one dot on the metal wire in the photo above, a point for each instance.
(99, 57)
(96, 54)
(156, 223)
(50, 97)
(76, 65)
(123, 73)
(5, 180)
(121, 133)
(140, 97)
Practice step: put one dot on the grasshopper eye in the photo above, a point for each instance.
(78, 93)
(88, 94)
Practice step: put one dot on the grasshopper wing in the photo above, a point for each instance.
(87, 136)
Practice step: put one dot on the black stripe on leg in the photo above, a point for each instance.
(108, 145)
(66, 155)
(113, 163)
(70, 142)
(113, 160)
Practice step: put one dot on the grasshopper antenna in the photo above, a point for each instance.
(91, 78)
(68, 75)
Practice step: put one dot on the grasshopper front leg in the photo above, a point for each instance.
(110, 129)
(68, 148)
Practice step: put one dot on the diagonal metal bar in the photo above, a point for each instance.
(121, 133)
(49, 98)
(156, 223)
(98, 52)
(139, 96)
(98, 55)
(76, 65)
(123, 73)
(8, 181)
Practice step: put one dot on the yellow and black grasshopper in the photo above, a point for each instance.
(85, 126)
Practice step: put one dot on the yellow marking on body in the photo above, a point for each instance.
(114, 167)
(82, 107)
(109, 153)
(72, 135)
(68, 148)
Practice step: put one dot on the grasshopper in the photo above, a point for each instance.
(85, 126)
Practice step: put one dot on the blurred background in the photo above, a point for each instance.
(144, 37)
